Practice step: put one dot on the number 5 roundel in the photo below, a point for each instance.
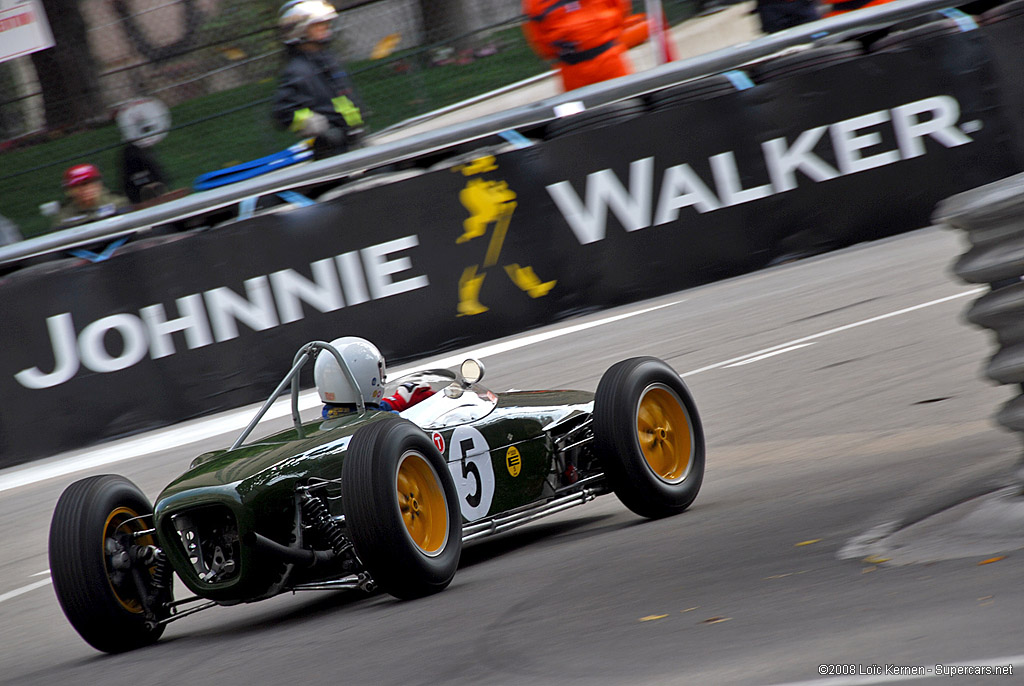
(469, 460)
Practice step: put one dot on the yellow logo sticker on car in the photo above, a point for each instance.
(513, 461)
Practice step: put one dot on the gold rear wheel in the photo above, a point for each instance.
(663, 430)
(648, 437)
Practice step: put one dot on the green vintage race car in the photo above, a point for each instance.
(370, 500)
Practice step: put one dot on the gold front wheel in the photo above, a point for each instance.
(109, 596)
(117, 537)
(401, 508)
(422, 503)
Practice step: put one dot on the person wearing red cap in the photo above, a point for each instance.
(88, 199)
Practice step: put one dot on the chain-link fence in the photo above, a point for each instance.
(214, 64)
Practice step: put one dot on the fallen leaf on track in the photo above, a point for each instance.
(716, 620)
(803, 543)
(992, 559)
(650, 618)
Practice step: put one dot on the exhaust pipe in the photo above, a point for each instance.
(299, 556)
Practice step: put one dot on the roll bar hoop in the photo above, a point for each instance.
(304, 354)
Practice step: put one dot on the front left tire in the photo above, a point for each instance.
(103, 593)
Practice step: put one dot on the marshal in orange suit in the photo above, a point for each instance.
(586, 38)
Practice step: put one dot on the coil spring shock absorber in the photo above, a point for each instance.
(320, 519)
(159, 595)
(161, 574)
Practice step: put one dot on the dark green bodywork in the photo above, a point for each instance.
(257, 481)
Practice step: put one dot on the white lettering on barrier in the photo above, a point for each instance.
(783, 162)
(292, 289)
(681, 187)
(379, 269)
(192, 322)
(62, 337)
(369, 274)
(632, 207)
(855, 143)
(352, 278)
(848, 144)
(727, 181)
(226, 308)
(941, 127)
(92, 348)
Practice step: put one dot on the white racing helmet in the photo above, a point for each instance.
(297, 16)
(366, 364)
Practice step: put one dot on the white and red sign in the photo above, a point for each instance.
(23, 28)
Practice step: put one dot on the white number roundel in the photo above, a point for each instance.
(469, 460)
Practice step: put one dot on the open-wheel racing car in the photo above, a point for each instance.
(370, 499)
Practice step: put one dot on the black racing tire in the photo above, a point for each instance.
(1001, 12)
(704, 88)
(648, 437)
(902, 39)
(811, 59)
(89, 525)
(599, 117)
(401, 508)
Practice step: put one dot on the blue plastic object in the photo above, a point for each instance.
(100, 256)
(240, 172)
(962, 19)
(739, 79)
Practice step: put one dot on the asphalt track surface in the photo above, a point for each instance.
(836, 393)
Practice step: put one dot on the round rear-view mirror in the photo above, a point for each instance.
(472, 371)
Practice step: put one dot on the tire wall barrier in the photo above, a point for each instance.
(993, 218)
(603, 211)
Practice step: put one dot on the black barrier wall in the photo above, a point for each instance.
(467, 252)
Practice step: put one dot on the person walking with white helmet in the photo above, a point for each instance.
(315, 97)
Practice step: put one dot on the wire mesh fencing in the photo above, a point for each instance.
(214, 64)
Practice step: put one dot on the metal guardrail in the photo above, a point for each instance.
(529, 115)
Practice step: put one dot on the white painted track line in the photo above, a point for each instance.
(758, 358)
(838, 329)
(24, 589)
